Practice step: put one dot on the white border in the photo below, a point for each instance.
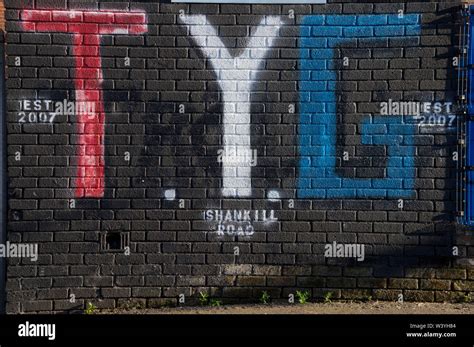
(268, 2)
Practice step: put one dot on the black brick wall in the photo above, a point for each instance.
(173, 250)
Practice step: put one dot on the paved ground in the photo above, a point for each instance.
(376, 307)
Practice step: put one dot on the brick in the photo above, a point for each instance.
(116, 292)
(280, 259)
(451, 274)
(146, 292)
(191, 281)
(237, 269)
(463, 285)
(37, 306)
(386, 294)
(266, 270)
(449, 296)
(250, 281)
(419, 295)
(433, 284)
(310, 282)
(403, 283)
(371, 283)
(355, 294)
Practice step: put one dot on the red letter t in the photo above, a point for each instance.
(87, 26)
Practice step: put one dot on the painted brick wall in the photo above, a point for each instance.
(168, 88)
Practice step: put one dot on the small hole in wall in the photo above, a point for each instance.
(114, 241)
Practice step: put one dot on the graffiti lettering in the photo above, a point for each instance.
(235, 76)
(238, 222)
(317, 132)
(87, 27)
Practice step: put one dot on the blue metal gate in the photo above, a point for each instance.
(465, 188)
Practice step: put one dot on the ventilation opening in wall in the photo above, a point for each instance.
(114, 241)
